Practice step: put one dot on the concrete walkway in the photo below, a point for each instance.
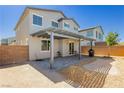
(27, 76)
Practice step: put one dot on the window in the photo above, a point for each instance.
(37, 20)
(88, 43)
(54, 24)
(66, 25)
(45, 45)
(96, 34)
(100, 36)
(76, 29)
(89, 33)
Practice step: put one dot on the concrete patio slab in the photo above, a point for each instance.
(27, 76)
(103, 66)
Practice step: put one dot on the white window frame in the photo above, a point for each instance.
(90, 32)
(41, 46)
(76, 28)
(56, 22)
(66, 27)
(39, 16)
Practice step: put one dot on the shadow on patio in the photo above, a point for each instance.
(59, 63)
(12, 65)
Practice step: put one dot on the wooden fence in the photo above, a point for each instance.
(105, 50)
(13, 54)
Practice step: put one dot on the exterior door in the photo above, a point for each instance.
(71, 48)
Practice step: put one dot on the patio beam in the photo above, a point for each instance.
(79, 48)
(51, 49)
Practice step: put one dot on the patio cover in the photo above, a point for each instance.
(62, 32)
(50, 32)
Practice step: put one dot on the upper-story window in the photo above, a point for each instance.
(76, 29)
(96, 34)
(37, 20)
(55, 24)
(100, 36)
(66, 25)
(90, 33)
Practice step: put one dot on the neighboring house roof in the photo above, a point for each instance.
(27, 9)
(92, 28)
(69, 19)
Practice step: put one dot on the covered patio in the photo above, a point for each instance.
(59, 63)
(54, 33)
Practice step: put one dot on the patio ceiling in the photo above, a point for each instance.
(46, 32)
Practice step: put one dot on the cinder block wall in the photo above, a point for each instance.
(13, 54)
(105, 50)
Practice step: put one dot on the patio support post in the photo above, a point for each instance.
(79, 48)
(91, 44)
(51, 49)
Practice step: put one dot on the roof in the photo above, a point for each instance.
(69, 19)
(49, 10)
(92, 28)
(26, 11)
(63, 32)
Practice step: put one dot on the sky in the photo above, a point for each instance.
(111, 18)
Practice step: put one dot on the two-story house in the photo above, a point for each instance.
(93, 32)
(48, 33)
(8, 41)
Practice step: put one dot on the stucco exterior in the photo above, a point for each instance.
(22, 32)
(72, 25)
(26, 28)
(61, 45)
(47, 17)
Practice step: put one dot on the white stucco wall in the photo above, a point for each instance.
(22, 32)
(72, 25)
(35, 51)
(26, 27)
(47, 17)
(59, 45)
